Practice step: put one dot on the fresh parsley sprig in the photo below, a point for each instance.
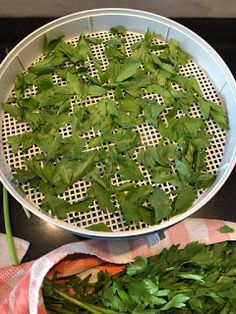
(197, 279)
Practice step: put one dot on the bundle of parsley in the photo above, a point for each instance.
(120, 106)
(197, 279)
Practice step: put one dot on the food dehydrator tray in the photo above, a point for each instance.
(217, 86)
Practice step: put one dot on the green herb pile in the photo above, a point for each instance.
(197, 279)
(119, 105)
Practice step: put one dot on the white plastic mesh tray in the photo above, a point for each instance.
(148, 134)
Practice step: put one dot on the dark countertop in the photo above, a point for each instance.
(44, 237)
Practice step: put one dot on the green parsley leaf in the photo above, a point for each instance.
(219, 115)
(190, 276)
(164, 66)
(166, 154)
(77, 86)
(130, 104)
(95, 90)
(126, 140)
(205, 108)
(14, 141)
(139, 194)
(49, 46)
(82, 205)
(161, 203)
(194, 126)
(163, 174)
(178, 301)
(118, 30)
(214, 111)
(82, 50)
(176, 56)
(152, 111)
(134, 212)
(94, 40)
(115, 50)
(44, 66)
(226, 229)
(204, 180)
(188, 83)
(162, 154)
(22, 175)
(185, 199)
(202, 140)
(57, 206)
(103, 196)
(184, 171)
(128, 168)
(128, 71)
(83, 167)
(44, 82)
(139, 265)
(13, 110)
(99, 227)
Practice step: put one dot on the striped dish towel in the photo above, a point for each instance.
(20, 287)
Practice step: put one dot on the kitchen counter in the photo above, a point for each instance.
(44, 237)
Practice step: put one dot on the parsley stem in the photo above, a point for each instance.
(27, 213)
(77, 302)
(105, 310)
(90, 307)
(58, 309)
(10, 241)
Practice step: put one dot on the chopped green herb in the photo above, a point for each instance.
(106, 109)
(161, 204)
(99, 227)
(127, 71)
(103, 197)
(134, 212)
(57, 206)
(128, 168)
(120, 30)
(184, 199)
(226, 229)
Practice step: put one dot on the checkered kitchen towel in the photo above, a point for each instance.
(20, 245)
(20, 287)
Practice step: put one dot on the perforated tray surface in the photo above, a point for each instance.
(148, 134)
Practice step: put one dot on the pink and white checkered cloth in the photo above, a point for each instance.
(20, 287)
(21, 248)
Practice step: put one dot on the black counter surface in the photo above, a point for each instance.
(219, 33)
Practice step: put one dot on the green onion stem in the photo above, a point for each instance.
(10, 241)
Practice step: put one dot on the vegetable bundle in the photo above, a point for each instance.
(197, 279)
(103, 109)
